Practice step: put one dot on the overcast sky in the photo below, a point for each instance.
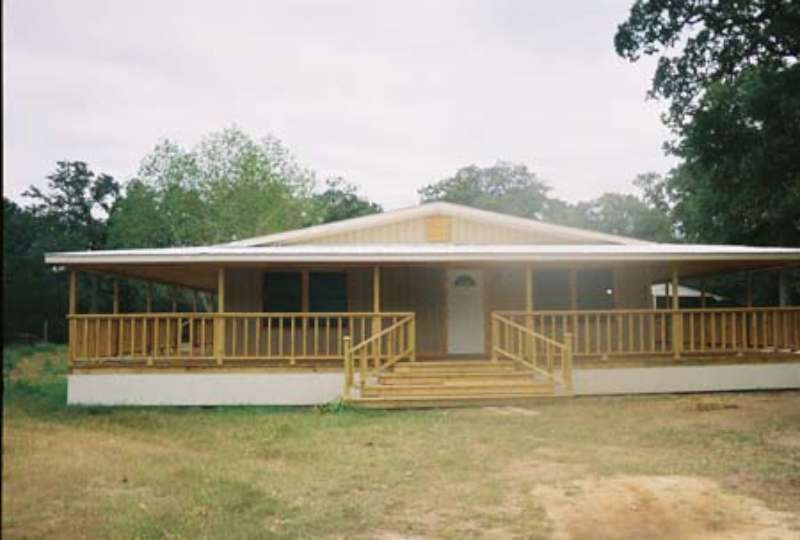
(391, 95)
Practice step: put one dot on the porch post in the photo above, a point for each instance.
(573, 289)
(219, 322)
(73, 310)
(677, 317)
(749, 289)
(376, 308)
(115, 302)
(783, 288)
(149, 298)
(528, 288)
(703, 293)
(528, 307)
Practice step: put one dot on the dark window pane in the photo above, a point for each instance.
(283, 292)
(328, 291)
(551, 289)
(595, 289)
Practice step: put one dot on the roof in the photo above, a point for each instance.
(431, 209)
(409, 253)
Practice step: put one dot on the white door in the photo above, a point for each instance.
(465, 314)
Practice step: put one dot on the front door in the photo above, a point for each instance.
(465, 312)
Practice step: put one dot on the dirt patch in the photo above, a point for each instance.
(656, 507)
(544, 471)
(512, 411)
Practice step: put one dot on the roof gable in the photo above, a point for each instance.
(438, 222)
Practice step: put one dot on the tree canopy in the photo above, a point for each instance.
(513, 189)
(730, 74)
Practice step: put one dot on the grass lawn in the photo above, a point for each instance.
(702, 466)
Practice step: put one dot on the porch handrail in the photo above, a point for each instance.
(522, 345)
(675, 332)
(399, 340)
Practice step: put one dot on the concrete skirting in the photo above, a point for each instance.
(204, 388)
(675, 379)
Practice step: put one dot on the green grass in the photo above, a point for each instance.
(270, 472)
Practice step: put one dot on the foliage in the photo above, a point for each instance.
(720, 40)
(503, 187)
(729, 71)
(340, 200)
(512, 189)
(228, 187)
(71, 213)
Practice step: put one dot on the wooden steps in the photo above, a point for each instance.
(457, 383)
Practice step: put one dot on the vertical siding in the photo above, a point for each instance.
(243, 289)
(632, 288)
(419, 290)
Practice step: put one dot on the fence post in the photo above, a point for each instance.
(494, 337)
(219, 322)
(412, 337)
(363, 371)
(567, 363)
(348, 367)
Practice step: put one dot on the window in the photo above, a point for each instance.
(283, 292)
(328, 291)
(595, 289)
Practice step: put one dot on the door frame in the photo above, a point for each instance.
(484, 297)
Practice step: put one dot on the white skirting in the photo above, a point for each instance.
(204, 388)
(674, 379)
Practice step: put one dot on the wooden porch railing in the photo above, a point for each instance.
(382, 350)
(662, 331)
(237, 338)
(542, 355)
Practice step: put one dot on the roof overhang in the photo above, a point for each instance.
(434, 253)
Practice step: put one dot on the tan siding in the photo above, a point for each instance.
(243, 289)
(459, 231)
(418, 290)
(632, 288)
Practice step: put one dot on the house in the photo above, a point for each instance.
(436, 304)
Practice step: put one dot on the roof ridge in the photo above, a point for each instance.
(421, 210)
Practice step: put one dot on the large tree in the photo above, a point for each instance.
(730, 74)
(340, 200)
(228, 187)
(503, 187)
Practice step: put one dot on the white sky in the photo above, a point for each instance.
(391, 95)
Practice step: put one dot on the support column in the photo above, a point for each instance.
(573, 289)
(703, 293)
(376, 308)
(219, 322)
(115, 300)
(677, 317)
(73, 310)
(783, 288)
(529, 288)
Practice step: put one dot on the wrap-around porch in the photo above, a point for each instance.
(390, 315)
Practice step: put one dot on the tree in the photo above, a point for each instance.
(341, 200)
(720, 40)
(228, 187)
(733, 88)
(77, 203)
(503, 187)
(625, 215)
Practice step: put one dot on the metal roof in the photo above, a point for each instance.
(429, 253)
